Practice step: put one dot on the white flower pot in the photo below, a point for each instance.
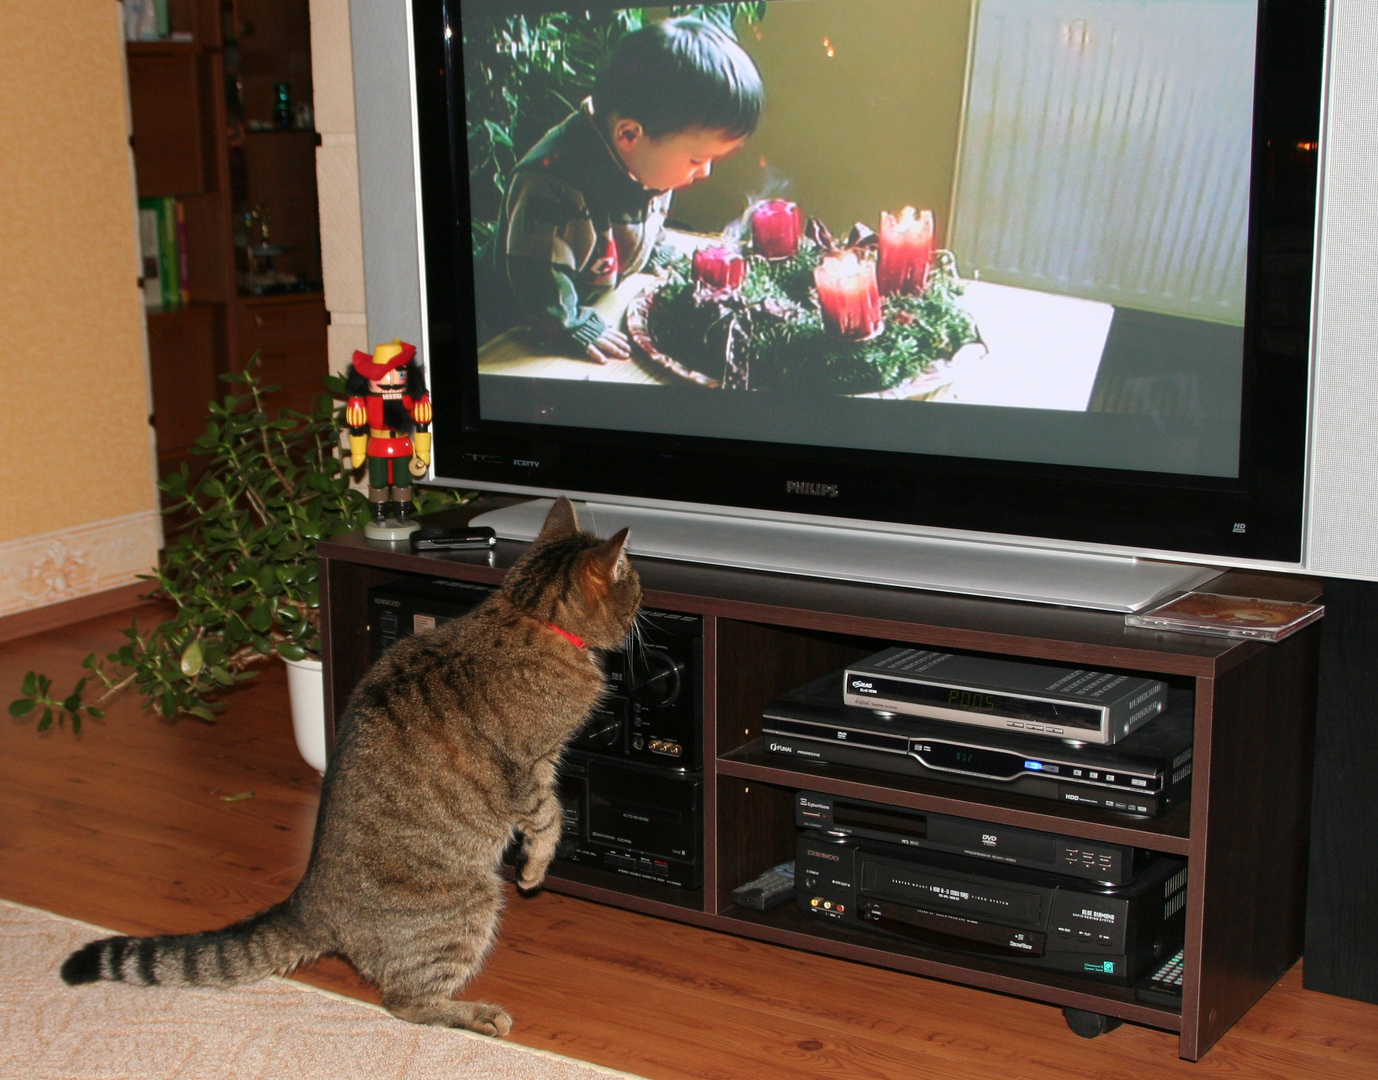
(306, 692)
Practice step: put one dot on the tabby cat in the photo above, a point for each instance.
(449, 743)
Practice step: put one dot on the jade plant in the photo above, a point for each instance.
(239, 569)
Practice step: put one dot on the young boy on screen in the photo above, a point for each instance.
(585, 207)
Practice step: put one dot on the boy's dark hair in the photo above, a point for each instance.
(681, 73)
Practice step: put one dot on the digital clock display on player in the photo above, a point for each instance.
(955, 699)
(952, 756)
(1006, 765)
(975, 759)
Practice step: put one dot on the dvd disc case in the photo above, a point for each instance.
(1228, 616)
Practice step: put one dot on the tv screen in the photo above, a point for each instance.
(1036, 268)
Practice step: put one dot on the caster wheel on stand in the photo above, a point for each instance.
(1090, 1024)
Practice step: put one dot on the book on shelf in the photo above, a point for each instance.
(149, 270)
(180, 209)
(147, 20)
(160, 249)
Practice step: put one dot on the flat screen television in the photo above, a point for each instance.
(1017, 275)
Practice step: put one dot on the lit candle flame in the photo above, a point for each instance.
(908, 221)
(843, 269)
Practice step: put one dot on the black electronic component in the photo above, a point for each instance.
(413, 605)
(654, 710)
(659, 676)
(1108, 933)
(1093, 860)
(636, 820)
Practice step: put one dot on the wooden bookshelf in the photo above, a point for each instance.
(193, 103)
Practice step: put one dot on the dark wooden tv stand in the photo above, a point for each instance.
(1244, 831)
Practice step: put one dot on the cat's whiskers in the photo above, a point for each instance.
(635, 646)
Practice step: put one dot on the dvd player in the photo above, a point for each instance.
(1147, 773)
(1094, 860)
(1037, 699)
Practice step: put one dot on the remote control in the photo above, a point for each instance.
(771, 889)
(1164, 986)
(451, 538)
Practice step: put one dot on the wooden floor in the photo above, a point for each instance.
(144, 826)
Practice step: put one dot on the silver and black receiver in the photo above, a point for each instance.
(1094, 860)
(1033, 699)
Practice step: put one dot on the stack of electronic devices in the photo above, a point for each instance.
(1116, 741)
(631, 784)
(1082, 907)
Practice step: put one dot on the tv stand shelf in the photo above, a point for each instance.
(1244, 831)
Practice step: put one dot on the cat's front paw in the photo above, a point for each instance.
(531, 876)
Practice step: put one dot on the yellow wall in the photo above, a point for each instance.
(80, 505)
(834, 129)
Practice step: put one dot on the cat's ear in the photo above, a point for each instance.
(603, 565)
(560, 522)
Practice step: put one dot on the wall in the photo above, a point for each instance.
(80, 506)
(337, 181)
(386, 187)
(824, 140)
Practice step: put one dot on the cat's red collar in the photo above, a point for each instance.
(573, 639)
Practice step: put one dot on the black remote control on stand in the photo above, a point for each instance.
(1164, 986)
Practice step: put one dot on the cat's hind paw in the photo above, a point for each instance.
(484, 1018)
(479, 1016)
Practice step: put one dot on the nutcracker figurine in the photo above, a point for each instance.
(389, 415)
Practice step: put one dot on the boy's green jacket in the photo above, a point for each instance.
(574, 222)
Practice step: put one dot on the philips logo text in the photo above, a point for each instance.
(808, 487)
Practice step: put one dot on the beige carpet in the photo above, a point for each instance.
(274, 1030)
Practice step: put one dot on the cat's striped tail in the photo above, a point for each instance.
(261, 945)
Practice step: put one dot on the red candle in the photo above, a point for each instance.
(906, 249)
(719, 268)
(776, 226)
(848, 296)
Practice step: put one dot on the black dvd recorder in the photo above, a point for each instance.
(1109, 933)
(1147, 773)
(1094, 860)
